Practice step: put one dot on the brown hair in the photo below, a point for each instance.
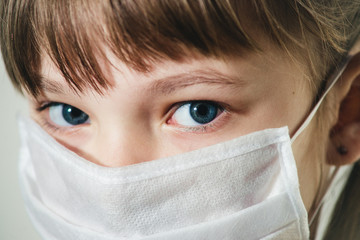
(73, 33)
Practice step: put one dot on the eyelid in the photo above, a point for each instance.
(215, 125)
(45, 105)
(222, 105)
(51, 127)
(203, 128)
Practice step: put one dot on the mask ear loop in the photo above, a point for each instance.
(332, 81)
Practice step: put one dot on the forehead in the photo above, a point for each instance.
(165, 73)
(192, 69)
(101, 59)
(140, 35)
(110, 69)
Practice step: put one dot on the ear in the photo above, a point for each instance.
(344, 146)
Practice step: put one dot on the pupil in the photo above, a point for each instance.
(203, 112)
(73, 115)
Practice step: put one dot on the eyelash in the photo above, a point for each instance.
(45, 105)
(46, 124)
(205, 128)
(52, 128)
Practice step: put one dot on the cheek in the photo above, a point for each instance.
(290, 107)
(281, 108)
(79, 144)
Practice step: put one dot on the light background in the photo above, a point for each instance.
(14, 221)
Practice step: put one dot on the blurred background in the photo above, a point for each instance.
(14, 221)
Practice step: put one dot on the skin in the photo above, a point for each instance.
(135, 121)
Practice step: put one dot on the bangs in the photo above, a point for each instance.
(77, 34)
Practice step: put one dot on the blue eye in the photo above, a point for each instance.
(197, 113)
(67, 115)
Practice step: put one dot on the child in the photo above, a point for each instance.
(169, 117)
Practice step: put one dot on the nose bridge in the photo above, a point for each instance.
(123, 144)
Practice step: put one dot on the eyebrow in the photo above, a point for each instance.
(50, 86)
(166, 85)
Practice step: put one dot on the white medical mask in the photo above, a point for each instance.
(246, 188)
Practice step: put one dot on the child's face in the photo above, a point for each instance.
(179, 107)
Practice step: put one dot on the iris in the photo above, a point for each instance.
(203, 112)
(73, 115)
